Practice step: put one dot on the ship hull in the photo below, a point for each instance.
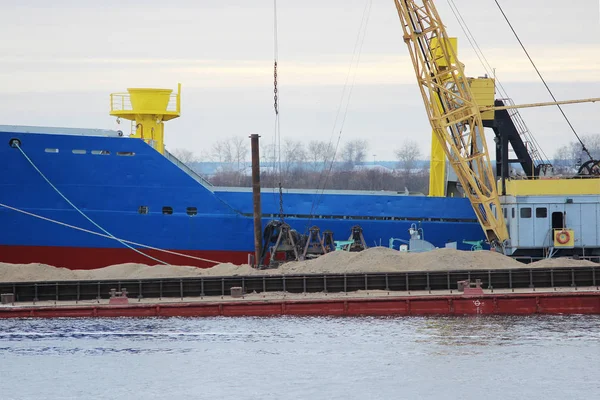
(94, 257)
(82, 201)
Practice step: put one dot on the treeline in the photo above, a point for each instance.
(320, 165)
(568, 158)
(299, 178)
(316, 164)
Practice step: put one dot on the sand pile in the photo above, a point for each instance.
(376, 259)
(42, 272)
(34, 272)
(562, 262)
(383, 259)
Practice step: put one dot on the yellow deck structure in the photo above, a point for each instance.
(437, 163)
(148, 109)
(553, 187)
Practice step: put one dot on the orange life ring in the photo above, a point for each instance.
(563, 237)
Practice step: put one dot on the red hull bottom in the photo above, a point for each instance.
(501, 304)
(90, 258)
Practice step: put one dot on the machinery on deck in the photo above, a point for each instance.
(417, 242)
(459, 108)
(476, 245)
(315, 243)
(282, 243)
(357, 238)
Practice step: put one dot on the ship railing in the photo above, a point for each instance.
(187, 169)
(150, 142)
(122, 102)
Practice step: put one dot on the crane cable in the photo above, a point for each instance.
(344, 104)
(487, 66)
(277, 135)
(583, 148)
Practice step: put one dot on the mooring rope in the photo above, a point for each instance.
(106, 236)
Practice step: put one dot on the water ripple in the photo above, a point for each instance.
(314, 357)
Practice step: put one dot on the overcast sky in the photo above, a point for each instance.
(60, 60)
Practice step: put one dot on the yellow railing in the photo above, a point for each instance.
(122, 102)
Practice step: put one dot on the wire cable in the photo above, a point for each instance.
(490, 70)
(543, 81)
(106, 236)
(276, 106)
(18, 146)
(344, 104)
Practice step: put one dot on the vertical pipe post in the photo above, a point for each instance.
(256, 197)
(505, 161)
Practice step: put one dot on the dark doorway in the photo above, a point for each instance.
(558, 220)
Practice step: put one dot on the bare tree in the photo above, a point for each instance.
(320, 154)
(240, 147)
(354, 152)
(292, 157)
(185, 156)
(563, 160)
(570, 156)
(408, 155)
(268, 153)
(222, 151)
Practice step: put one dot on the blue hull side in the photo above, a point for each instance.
(110, 188)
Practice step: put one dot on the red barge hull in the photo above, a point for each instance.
(488, 304)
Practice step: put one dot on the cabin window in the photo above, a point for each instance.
(526, 212)
(143, 209)
(51, 150)
(513, 212)
(101, 152)
(541, 212)
(167, 210)
(192, 211)
(504, 212)
(125, 153)
(79, 151)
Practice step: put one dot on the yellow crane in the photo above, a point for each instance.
(455, 116)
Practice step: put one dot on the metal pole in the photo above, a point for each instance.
(256, 198)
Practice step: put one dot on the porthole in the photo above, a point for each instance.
(192, 211)
(167, 210)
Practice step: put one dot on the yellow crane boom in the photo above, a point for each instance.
(452, 112)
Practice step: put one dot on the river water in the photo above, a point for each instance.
(541, 357)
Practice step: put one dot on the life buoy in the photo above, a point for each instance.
(563, 237)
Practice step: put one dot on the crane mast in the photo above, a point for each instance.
(452, 112)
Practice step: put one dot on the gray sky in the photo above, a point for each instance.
(60, 60)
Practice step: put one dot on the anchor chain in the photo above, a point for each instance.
(276, 104)
(280, 202)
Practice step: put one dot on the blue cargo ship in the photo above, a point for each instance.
(85, 198)
(141, 196)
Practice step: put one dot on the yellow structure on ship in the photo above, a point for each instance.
(148, 109)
